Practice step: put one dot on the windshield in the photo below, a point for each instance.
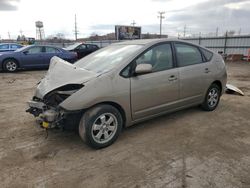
(107, 58)
(72, 47)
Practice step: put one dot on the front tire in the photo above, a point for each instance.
(10, 65)
(100, 126)
(212, 98)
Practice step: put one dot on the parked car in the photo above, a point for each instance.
(33, 56)
(8, 47)
(82, 49)
(126, 83)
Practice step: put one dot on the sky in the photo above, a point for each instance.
(100, 16)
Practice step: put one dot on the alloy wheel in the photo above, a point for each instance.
(213, 97)
(104, 128)
(11, 66)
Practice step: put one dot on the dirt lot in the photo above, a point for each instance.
(191, 148)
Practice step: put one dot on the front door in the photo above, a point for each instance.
(33, 57)
(158, 91)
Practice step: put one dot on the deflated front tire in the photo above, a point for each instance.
(100, 126)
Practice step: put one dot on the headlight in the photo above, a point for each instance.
(58, 95)
(70, 92)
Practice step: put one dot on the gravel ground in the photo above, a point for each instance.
(190, 148)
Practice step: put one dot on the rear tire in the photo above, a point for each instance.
(100, 126)
(10, 65)
(212, 98)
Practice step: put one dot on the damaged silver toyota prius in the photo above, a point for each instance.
(126, 83)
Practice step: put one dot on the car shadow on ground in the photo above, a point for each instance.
(71, 138)
(25, 70)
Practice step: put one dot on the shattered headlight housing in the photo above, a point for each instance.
(58, 95)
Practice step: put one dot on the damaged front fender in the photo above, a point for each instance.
(62, 73)
(61, 81)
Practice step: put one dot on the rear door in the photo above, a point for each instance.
(155, 92)
(91, 48)
(49, 53)
(194, 73)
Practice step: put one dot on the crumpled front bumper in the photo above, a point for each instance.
(47, 117)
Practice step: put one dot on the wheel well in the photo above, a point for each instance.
(119, 108)
(218, 83)
(12, 59)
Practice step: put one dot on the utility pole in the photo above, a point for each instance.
(75, 30)
(217, 32)
(161, 17)
(9, 34)
(21, 32)
(184, 30)
(133, 23)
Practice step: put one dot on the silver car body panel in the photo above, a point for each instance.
(153, 93)
(232, 88)
(141, 97)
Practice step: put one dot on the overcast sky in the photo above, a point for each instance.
(100, 16)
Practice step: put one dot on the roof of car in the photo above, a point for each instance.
(10, 43)
(41, 45)
(150, 42)
(147, 41)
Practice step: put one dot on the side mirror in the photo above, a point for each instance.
(143, 68)
(25, 52)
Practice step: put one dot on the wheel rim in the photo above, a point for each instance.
(213, 97)
(104, 128)
(11, 66)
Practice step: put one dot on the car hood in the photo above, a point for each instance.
(61, 73)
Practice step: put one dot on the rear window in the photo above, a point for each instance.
(208, 55)
(51, 50)
(187, 54)
(91, 46)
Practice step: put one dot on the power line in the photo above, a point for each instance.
(161, 17)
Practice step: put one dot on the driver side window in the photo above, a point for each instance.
(160, 57)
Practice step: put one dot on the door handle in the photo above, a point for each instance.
(172, 78)
(207, 70)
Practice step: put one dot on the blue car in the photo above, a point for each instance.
(33, 56)
(6, 47)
